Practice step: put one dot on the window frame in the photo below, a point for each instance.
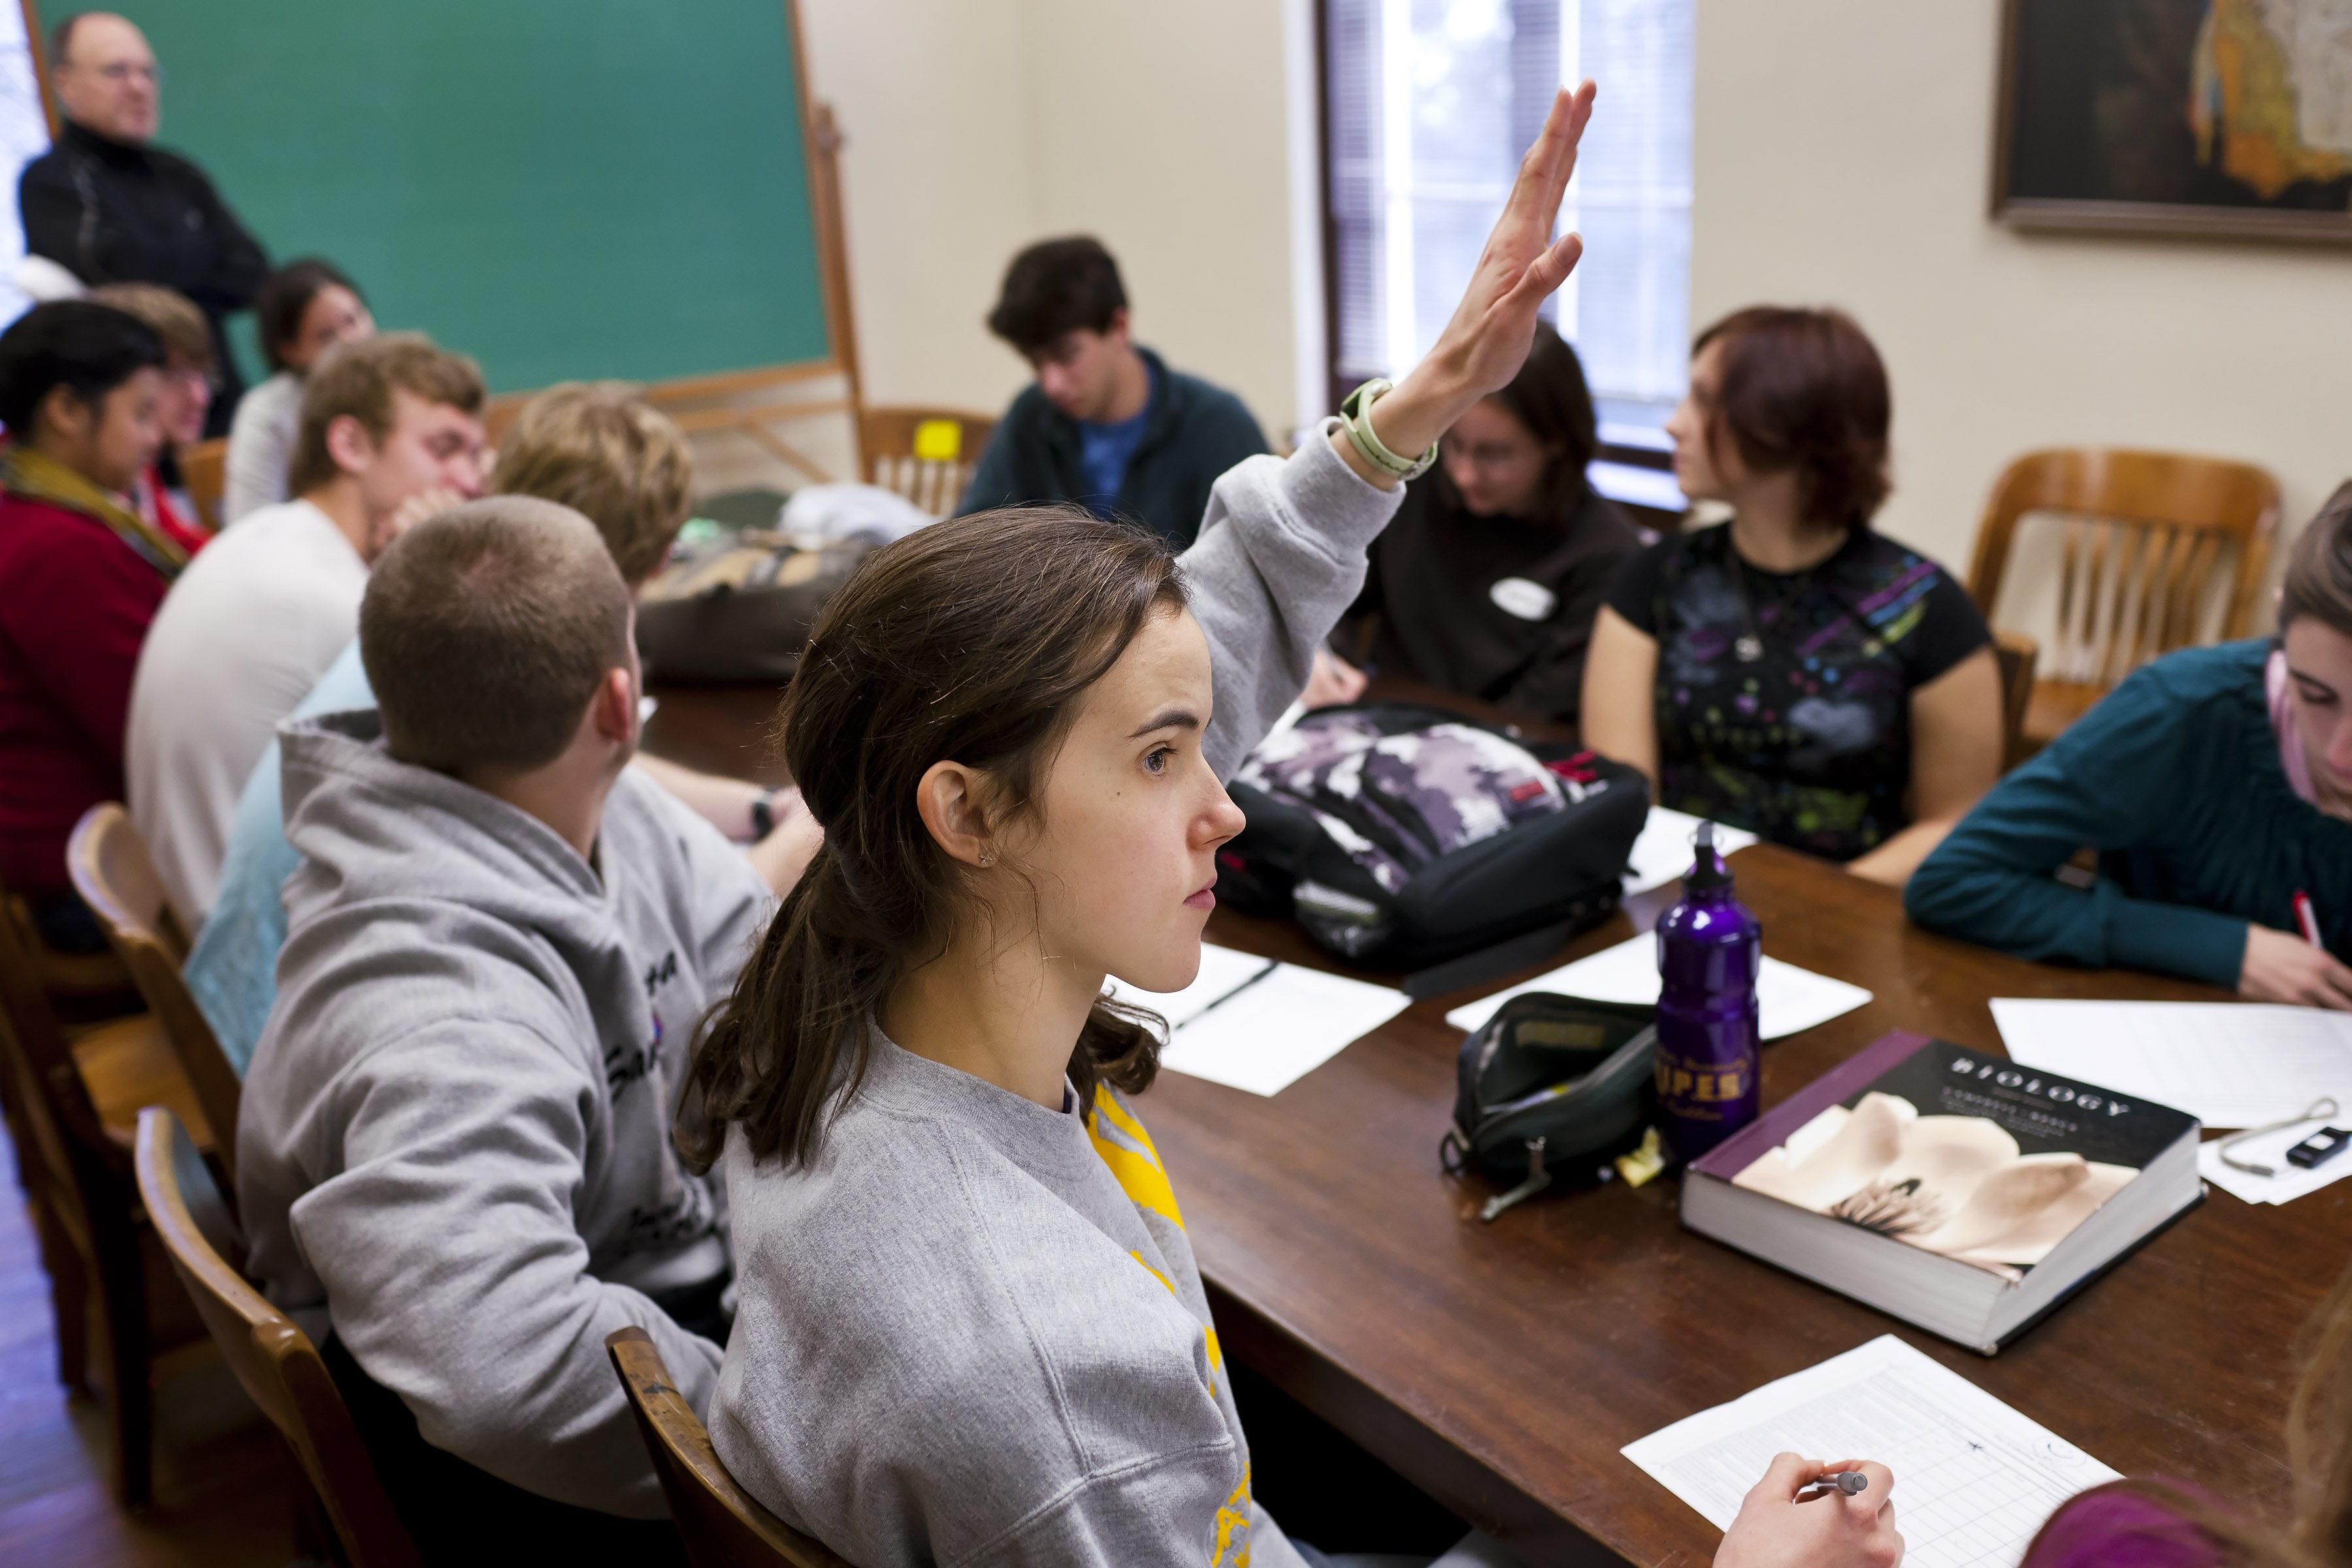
(1336, 384)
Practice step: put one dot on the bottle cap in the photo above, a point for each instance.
(1707, 870)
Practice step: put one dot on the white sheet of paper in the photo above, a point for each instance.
(2270, 1149)
(1223, 971)
(1663, 852)
(1788, 999)
(1973, 1477)
(1273, 1031)
(2228, 1064)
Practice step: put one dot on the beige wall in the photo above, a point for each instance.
(975, 126)
(1843, 156)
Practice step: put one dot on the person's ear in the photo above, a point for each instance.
(950, 797)
(1117, 330)
(614, 710)
(349, 444)
(63, 414)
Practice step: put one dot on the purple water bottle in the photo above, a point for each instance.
(1709, 946)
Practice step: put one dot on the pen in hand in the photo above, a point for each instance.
(2308, 918)
(1838, 1483)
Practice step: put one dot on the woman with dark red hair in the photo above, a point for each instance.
(1791, 671)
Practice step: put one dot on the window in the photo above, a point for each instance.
(1430, 104)
(24, 136)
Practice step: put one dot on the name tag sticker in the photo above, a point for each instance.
(1518, 596)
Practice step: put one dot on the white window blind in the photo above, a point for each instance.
(1431, 104)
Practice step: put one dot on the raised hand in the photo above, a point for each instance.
(1488, 338)
(1486, 341)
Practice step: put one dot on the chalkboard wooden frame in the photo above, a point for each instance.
(2152, 219)
(685, 397)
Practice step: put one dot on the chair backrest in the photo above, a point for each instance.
(926, 455)
(723, 1526)
(112, 872)
(2147, 535)
(204, 468)
(54, 1101)
(272, 1358)
(2017, 654)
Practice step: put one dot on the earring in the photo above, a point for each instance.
(988, 857)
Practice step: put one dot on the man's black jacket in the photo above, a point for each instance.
(110, 213)
(1191, 433)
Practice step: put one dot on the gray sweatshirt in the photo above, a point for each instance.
(455, 1134)
(973, 1332)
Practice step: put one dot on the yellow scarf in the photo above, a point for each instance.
(35, 477)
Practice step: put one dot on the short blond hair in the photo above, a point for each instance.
(600, 449)
(187, 335)
(359, 379)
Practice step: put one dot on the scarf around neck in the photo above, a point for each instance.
(35, 477)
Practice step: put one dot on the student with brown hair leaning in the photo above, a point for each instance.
(603, 450)
(1792, 672)
(455, 1139)
(2215, 784)
(392, 431)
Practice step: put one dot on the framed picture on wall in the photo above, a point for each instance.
(2221, 117)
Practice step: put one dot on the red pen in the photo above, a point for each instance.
(2307, 919)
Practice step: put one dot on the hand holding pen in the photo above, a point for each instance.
(2297, 970)
(1808, 1514)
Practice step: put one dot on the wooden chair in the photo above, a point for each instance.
(204, 468)
(2149, 538)
(723, 1526)
(2018, 655)
(926, 455)
(275, 1360)
(112, 872)
(69, 1094)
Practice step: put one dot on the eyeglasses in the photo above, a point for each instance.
(1487, 457)
(121, 71)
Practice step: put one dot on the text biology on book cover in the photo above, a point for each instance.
(1966, 1156)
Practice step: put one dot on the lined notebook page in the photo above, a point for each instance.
(2228, 1064)
(1973, 1477)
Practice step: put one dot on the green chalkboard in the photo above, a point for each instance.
(561, 188)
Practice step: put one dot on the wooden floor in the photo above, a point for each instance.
(221, 1487)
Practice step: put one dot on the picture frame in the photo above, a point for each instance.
(2168, 118)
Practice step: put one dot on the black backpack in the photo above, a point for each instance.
(1400, 837)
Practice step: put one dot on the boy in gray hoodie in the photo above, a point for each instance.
(455, 1138)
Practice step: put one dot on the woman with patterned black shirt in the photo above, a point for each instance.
(1791, 671)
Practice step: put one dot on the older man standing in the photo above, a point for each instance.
(110, 209)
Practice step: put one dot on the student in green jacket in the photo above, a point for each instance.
(1106, 426)
(2215, 784)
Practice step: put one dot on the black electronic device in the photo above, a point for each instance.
(2319, 1148)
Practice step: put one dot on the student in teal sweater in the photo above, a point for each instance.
(2215, 784)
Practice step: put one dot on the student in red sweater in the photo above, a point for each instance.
(80, 575)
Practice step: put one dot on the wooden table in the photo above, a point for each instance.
(1501, 1367)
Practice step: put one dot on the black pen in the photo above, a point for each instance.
(1840, 1483)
